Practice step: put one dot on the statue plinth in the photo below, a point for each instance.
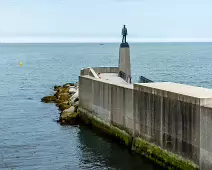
(124, 62)
(124, 45)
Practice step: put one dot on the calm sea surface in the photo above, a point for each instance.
(29, 136)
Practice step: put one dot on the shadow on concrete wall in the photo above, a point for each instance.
(143, 79)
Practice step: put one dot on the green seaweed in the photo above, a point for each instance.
(120, 135)
(63, 106)
(49, 99)
(138, 145)
(112, 131)
(122, 128)
(162, 157)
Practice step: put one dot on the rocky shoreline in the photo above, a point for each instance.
(66, 98)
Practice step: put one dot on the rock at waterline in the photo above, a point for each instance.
(63, 106)
(70, 110)
(64, 96)
(58, 102)
(68, 116)
(68, 84)
(49, 99)
(72, 90)
(63, 90)
(56, 88)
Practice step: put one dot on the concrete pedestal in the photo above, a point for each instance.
(124, 62)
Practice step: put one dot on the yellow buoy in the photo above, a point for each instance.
(20, 63)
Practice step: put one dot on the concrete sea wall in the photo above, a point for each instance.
(205, 134)
(168, 120)
(172, 127)
(111, 103)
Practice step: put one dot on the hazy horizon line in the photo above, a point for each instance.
(102, 40)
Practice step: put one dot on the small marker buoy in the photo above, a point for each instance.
(20, 63)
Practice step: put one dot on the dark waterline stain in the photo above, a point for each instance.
(127, 158)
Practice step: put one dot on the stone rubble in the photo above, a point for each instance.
(66, 98)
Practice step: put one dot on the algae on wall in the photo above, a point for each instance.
(138, 145)
(112, 131)
(161, 156)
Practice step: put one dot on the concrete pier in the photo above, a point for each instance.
(168, 123)
(174, 119)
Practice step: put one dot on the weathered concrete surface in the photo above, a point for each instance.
(205, 137)
(124, 62)
(183, 89)
(112, 103)
(176, 117)
(168, 119)
(85, 94)
(114, 78)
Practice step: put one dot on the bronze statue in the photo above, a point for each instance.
(124, 34)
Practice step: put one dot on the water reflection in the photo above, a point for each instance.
(99, 152)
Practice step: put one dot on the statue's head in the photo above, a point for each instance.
(124, 25)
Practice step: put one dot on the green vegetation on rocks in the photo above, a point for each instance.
(49, 99)
(63, 106)
(56, 88)
(68, 84)
(64, 96)
(61, 97)
(69, 117)
(58, 102)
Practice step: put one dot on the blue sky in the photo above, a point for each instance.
(102, 20)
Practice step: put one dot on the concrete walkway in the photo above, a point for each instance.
(114, 78)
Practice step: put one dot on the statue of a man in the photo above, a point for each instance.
(124, 34)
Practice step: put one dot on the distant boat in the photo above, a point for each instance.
(101, 44)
